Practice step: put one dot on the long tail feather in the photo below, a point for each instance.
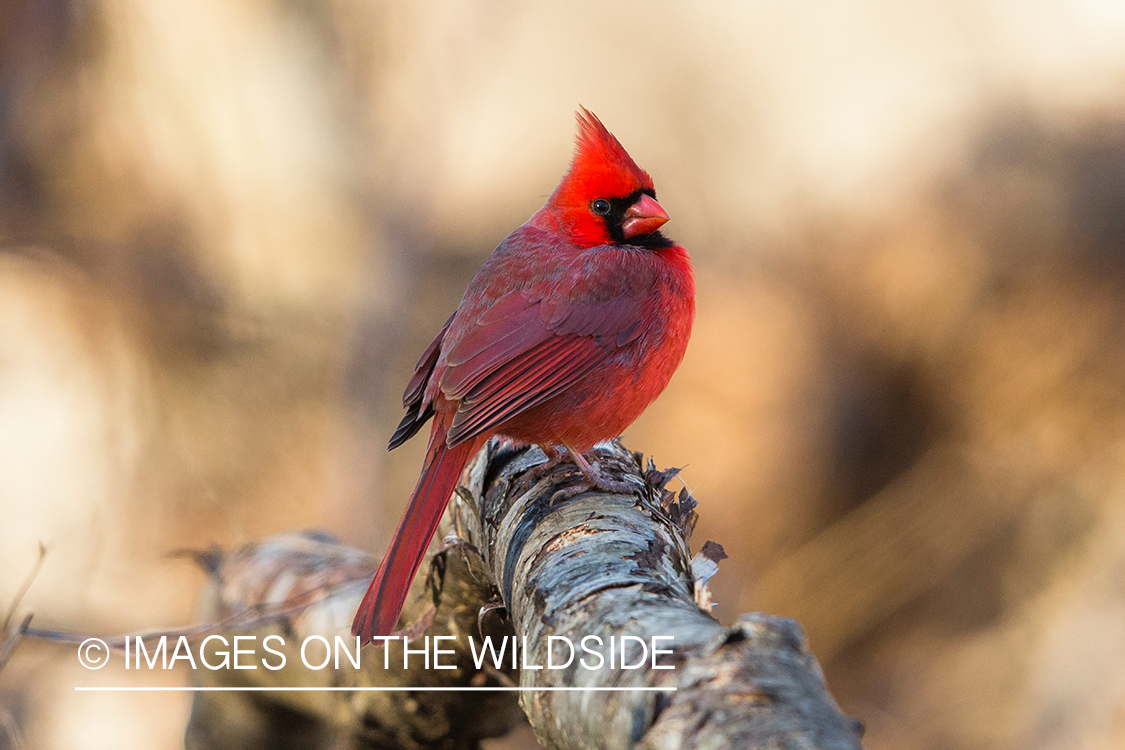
(383, 602)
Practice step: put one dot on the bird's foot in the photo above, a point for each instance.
(593, 478)
(535, 473)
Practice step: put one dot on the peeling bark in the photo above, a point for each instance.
(282, 573)
(612, 566)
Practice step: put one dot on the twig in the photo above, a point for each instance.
(248, 619)
(43, 550)
(12, 634)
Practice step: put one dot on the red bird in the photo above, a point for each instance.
(570, 329)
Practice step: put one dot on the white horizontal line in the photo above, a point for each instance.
(366, 689)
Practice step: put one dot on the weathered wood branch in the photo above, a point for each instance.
(293, 567)
(594, 567)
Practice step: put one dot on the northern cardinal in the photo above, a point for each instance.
(570, 329)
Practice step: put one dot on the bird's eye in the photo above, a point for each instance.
(600, 206)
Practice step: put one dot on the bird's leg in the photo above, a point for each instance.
(535, 473)
(592, 478)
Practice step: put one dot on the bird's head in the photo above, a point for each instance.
(605, 198)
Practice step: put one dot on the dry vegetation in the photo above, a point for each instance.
(227, 228)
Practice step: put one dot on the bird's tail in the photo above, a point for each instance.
(383, 602)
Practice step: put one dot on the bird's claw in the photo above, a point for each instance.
(532, 476)
(593, 478)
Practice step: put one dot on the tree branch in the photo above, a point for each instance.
(601, 566)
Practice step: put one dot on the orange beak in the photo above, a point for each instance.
(643, 217)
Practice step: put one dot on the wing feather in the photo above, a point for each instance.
(524, 351)
(500, 357)
(525, 382)
(418, 411)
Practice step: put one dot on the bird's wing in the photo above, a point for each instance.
(527, 349)
(418, 411)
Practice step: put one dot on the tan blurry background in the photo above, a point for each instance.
(228, 228)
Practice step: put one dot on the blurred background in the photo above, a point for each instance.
(229, 227)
